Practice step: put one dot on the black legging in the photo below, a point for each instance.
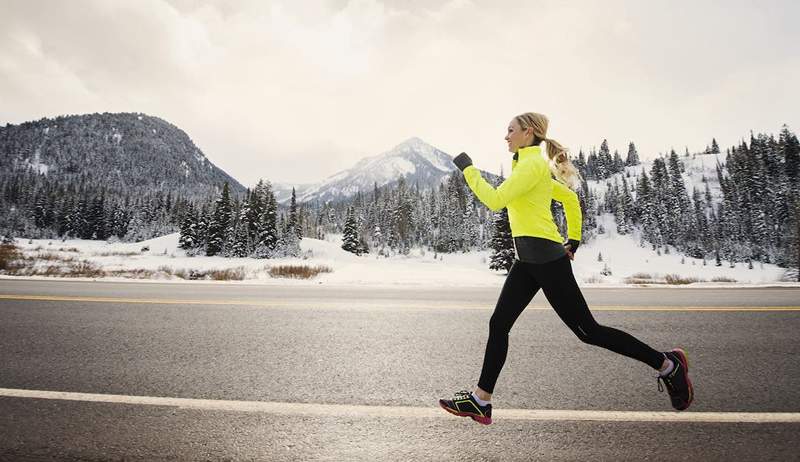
(555, 278)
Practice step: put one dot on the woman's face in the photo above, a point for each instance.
(517, 137)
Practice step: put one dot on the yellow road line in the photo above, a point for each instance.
(380, 303)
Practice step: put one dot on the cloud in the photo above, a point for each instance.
(295, 91)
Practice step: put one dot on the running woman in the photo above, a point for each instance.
(543, 261)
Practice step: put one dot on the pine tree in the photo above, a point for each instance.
(618, 164)
(633, 155)
(791, 155)
(502, 244)
(294, 221)
(267, 229)
(377, 239)
(240, 240)
(219, 225)
(470, 224)
(604, 164)
(625, 208)
(350, 241)
(714, 146)
(188, 230)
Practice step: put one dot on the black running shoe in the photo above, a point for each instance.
(464, 405)
(677, 382)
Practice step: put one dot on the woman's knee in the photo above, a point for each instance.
(591, 335)
(498, 326)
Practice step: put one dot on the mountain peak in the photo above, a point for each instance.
(413, 159)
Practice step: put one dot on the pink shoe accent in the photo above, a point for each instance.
(482, 420)
(685, 360)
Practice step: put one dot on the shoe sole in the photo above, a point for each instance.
(480, 419)
(684, 359)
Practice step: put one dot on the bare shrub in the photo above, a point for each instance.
(115, 254)
(85, 269)
(69, 249)
(228, 274)
(297, 271)
(641, 276)
(593, 279)
(633, 280)
(10, 258)
(675, 279)
(138, 273)
(51, 256)
(723, 279)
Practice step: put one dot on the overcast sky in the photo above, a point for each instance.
(294, 91)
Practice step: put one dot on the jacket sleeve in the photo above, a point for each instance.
(523, 178)
(572, 208)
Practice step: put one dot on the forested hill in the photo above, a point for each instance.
(96, 176)
(128, 152)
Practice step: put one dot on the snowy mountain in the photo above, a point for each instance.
(415, 160)
(124, 153)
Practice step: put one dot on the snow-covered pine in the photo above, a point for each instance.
(502, 245)
(350, 235)
(220, 223)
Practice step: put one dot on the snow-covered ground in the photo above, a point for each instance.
(621, 254)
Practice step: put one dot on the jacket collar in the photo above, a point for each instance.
(527, 151)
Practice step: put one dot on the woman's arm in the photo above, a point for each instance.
(572, 208)
(523, 178)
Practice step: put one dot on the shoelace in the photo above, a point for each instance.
(666, 382)
(463, 394)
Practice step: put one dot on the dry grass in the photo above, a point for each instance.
(50, 270)
(13, 262)
(69, 249)
(641, 276)
(10, 258)
(722, 279)
(634, 280)
(229, 274)
(675, 279)
(85, 269)
(51, 256)
(297, 271)
(132, 273)
(115, 254)
(593, 279)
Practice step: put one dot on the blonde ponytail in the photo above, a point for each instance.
(560, 165)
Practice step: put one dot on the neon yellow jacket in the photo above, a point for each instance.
(527, 194)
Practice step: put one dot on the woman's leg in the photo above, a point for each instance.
(559, 286)
(518, 290)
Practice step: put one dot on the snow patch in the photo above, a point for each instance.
(37, 165)
(621, 254)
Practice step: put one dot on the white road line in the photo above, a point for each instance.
(348, 410)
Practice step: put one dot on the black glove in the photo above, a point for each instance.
(462, 161)
(573, 246)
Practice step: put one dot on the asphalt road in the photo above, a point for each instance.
(350, 347)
